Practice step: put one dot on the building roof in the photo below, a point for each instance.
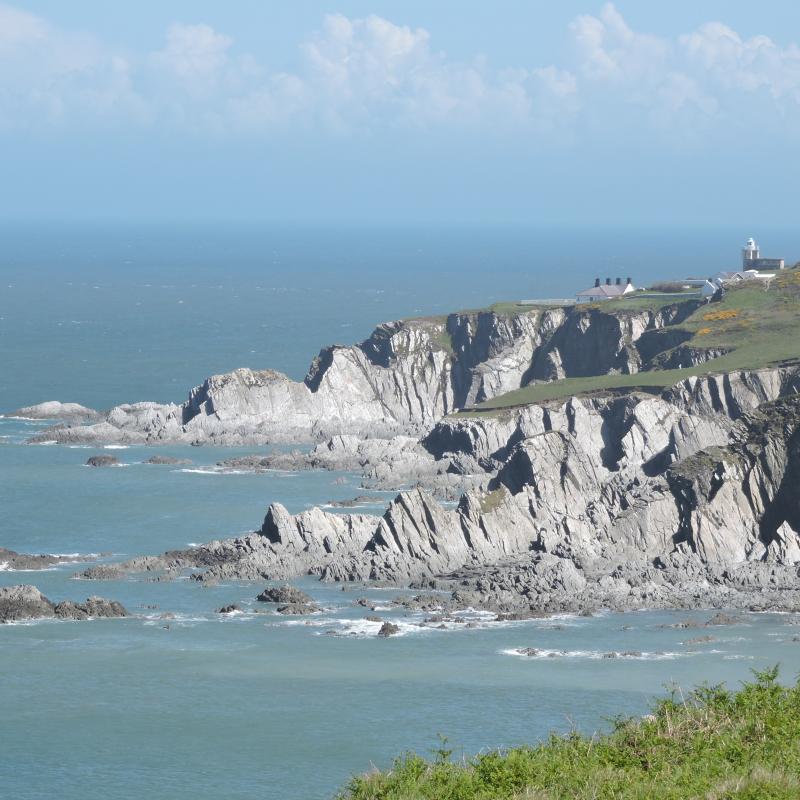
(602, 291)
(741, 275)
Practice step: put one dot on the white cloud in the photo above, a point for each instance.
(745, 65)
(194, 52)
(363, 75)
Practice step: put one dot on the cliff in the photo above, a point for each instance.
(402, 379)
(650, 487)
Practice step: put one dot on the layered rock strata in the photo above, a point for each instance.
(564, 524)
(401, 380)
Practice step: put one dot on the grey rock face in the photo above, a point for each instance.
(575, 519)
(401, 380)
(384, 463)
(24, 602)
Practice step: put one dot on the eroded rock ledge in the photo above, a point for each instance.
(690, 507)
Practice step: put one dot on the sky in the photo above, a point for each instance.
(446, 113)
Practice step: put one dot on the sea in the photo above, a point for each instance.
(176, 701)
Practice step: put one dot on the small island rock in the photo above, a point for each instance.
(284, 594)
(102, 461)
(389, 629)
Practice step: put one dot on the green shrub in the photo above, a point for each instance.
(715, 744)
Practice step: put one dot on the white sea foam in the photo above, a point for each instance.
(4, 566)
(593, 655)
(364, 628)
(116, 447)
(42, 569)
(76, 556)
(181, 620)
(213, 471)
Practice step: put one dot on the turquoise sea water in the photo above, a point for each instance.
(176, 702)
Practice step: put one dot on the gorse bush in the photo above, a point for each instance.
(715, 316)
(716, 744)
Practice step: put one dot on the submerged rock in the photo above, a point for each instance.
(297, 609)
(11, 560)
(699, 640)
(723, 619)
(232, 608)
(102, 461)
(101, 572)
(168, 460)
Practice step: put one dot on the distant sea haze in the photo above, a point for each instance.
(118, 314)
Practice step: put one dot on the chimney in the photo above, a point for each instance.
(628, 281)
(608, 281)
(596, 283)
(619, 281)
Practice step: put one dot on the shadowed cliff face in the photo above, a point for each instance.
(402, 379)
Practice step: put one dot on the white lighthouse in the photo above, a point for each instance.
(751, 258)
(750, 253)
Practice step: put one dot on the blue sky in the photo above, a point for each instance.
(366, 113)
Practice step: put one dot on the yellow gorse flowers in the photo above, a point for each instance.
(718, 316)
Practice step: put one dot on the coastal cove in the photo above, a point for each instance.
(176, 700)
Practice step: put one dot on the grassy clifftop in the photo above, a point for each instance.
(757, 326)
(715, 744)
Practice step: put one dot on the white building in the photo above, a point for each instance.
(606, 291)
(751, 258)
(725, 279)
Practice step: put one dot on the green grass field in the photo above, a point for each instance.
(760, 328)
(715, 744)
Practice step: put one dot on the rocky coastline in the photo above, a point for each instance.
(682, 498)
(400, 381)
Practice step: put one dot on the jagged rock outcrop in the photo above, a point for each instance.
(384, 463)
(401, 380)
(564, 526)
(24, 602)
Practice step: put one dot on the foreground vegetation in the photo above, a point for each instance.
(758, 326)
(716, 744)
